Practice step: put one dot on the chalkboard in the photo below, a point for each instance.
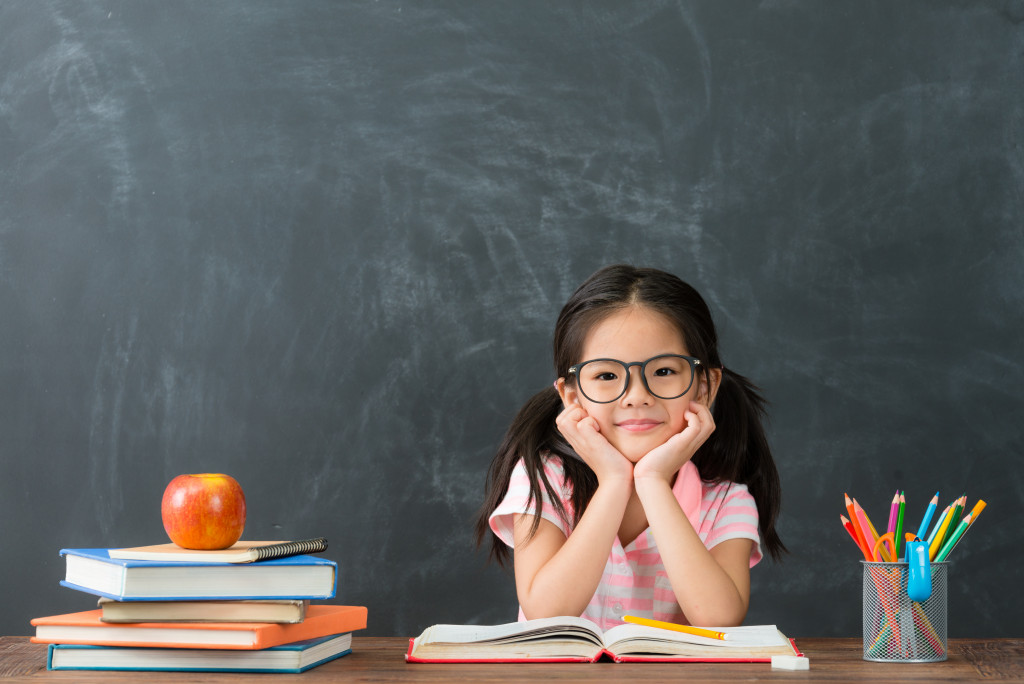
(321, 246)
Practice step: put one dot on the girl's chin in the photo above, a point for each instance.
(633, 452)
(636, 448)
(633, 458)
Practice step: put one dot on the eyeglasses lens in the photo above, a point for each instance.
(667, 378)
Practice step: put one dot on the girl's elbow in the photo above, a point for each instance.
(718, 618)
(531, 613)
(536, 609)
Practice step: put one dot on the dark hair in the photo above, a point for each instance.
(736, 451)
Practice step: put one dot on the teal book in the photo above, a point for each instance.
(294, 577)
(290, 658)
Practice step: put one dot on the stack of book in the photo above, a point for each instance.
(167, 608)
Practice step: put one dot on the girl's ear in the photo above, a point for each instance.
(708, 390)
(567, 391)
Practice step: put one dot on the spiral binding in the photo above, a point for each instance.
(289, 549)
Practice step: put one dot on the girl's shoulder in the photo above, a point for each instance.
(717, 493)
(728, 511)
(520, 497)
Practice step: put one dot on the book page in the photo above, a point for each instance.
(744, 637)
(577, 627)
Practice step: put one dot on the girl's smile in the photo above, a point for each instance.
(638, 425)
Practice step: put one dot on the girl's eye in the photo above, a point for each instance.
(606, 377)
(664, 372)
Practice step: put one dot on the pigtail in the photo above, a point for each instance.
(532, 436)
(738, 451)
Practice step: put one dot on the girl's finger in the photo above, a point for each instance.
(706, 419)
(588, 424)
(570, 415)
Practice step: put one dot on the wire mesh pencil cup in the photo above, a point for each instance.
(896, 628)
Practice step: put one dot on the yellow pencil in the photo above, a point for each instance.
(933, 550)
(686, 629)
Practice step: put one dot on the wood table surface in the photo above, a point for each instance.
(381, 659)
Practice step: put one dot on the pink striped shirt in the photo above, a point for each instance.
(635, 581)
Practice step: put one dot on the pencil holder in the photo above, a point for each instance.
(898, 629)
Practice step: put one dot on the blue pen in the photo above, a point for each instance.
(922, 531)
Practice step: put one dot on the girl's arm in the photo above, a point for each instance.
(556, 575)
(712, 587)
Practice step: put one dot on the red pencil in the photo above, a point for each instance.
(849, 528)
(859, 535)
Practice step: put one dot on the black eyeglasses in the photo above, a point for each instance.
(668, 376)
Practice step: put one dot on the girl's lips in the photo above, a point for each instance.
(638, 425)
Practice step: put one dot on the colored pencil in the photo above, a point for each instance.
(870, 534)
(849, 528)
(938, 524)
(978, 508)
(933, 547)
(973, 515)
(954, 538)
(859, 534)
(894, 508)
(870, 537)
(898, 537)
(922, 530)
(954, 519)
(871, 525)
(686, 629)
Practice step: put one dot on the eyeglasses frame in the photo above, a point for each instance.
(691, 360)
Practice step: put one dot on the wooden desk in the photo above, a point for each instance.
(376, 659)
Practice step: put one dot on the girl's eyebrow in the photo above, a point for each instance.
(612, 358)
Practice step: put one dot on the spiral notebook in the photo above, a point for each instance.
(240, 552)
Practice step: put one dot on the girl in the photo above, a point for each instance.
(639, 483)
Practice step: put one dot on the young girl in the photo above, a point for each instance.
(639, 483)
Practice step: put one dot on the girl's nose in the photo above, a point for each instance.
(636, 392)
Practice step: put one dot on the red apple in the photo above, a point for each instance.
(204, 511)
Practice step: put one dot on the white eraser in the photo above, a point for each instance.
(790, 663)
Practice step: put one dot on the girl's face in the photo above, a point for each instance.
(638, 421)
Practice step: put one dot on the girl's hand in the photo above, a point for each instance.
(584, 436)
(664, 462)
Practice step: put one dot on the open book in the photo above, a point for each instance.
(574, 639)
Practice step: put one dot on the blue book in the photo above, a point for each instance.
(295, 657)
(295, 577)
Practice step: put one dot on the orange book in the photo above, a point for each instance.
(86, 628)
